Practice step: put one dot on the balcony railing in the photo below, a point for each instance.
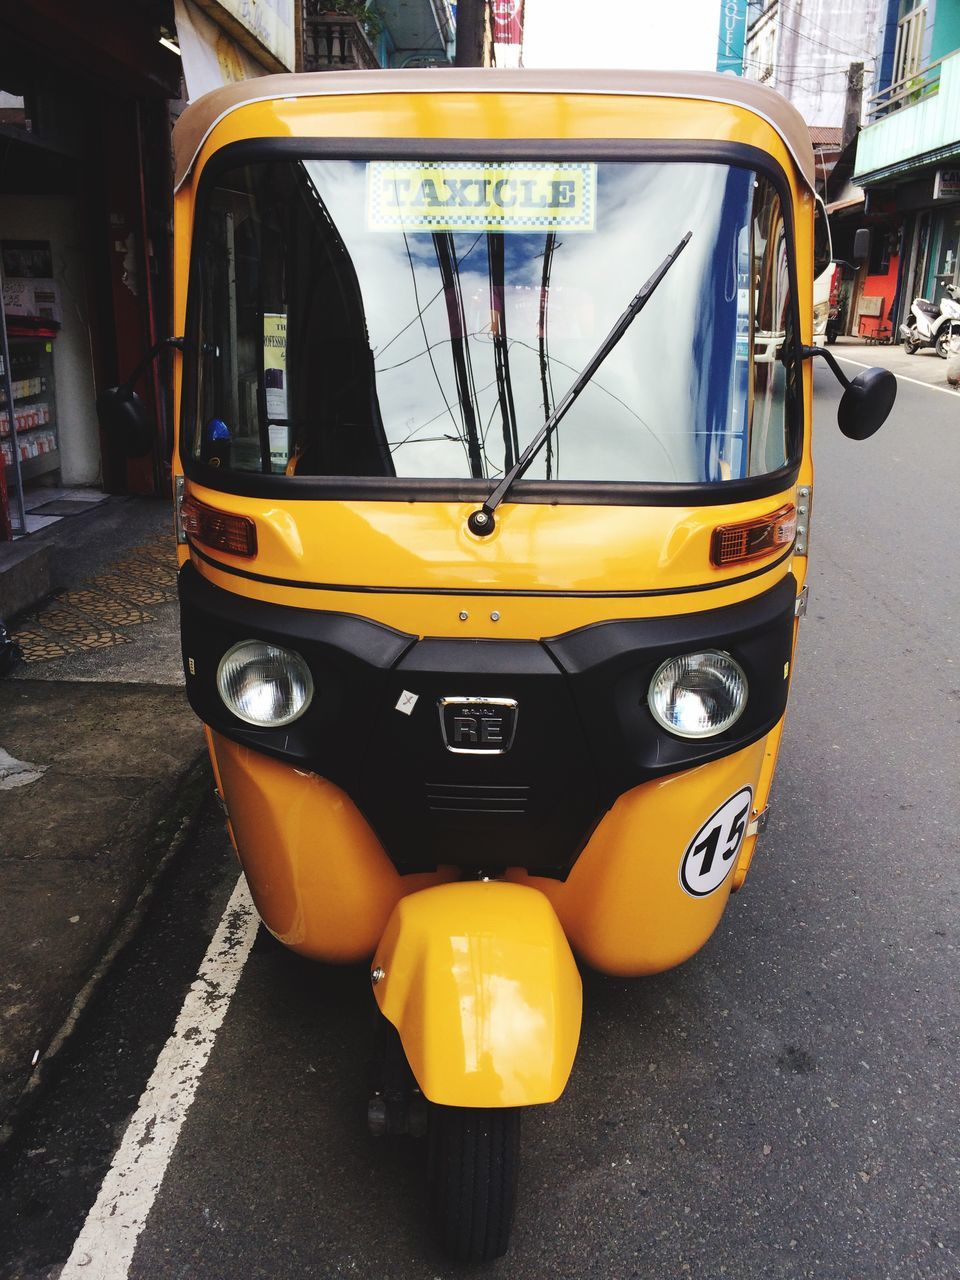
(912, 88)
(334, 41)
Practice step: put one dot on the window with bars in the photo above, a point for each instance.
(908, 52)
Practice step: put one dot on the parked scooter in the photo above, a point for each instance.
(928, 325)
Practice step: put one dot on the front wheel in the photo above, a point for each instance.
(474, 1155)
(943, 344)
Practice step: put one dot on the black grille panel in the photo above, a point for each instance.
(448, 797)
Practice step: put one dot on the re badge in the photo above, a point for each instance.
(712, 853)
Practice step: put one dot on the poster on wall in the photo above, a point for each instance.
(28, 285)
(275, 364)
(27, 259)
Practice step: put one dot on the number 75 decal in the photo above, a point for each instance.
(712, 853)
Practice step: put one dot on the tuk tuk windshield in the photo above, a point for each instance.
(421, 319)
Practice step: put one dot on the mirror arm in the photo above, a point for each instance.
(807, 353)
(151, 355)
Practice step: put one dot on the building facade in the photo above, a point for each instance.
(339, 35)
(908, 154)
(817, 53)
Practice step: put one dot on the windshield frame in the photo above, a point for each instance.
(546, 492)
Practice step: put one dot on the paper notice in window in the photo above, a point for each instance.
(275, 364)
(461, 195)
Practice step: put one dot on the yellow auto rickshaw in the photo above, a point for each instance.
(494, 490)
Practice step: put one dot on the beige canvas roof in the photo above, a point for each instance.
(194, 126)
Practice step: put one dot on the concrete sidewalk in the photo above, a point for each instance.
(101, 765)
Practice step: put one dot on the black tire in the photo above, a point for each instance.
(909, 346)
(943, 344)
(474, 1157)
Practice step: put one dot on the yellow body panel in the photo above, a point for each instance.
(622, 906)
(318, 875)
(577, 553)
(325, 887)
(480, 983)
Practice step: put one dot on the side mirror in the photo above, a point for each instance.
(126, 421)
(822, 242)
(866, 403)
(861, 245)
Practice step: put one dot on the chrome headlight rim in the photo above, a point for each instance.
(287, 654)
(699, 735)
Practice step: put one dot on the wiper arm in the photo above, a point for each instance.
(481, 522)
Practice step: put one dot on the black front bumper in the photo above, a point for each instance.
(583, 732)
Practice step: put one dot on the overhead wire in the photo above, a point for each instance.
(805, 18)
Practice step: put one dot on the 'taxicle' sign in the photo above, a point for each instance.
(461, 195)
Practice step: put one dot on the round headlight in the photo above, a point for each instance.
(263, 684)
(698, 695)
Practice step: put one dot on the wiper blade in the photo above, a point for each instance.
(481, 521)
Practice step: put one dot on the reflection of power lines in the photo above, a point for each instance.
(416, 298)
(654, 435)
(460, 352)
(546, 380)
(501, 350)
(427, 305)
(414, 437)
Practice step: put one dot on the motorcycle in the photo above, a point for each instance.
(489, 597)
(928, 325)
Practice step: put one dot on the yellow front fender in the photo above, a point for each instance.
(479, 980)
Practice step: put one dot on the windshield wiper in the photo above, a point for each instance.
(481, 522)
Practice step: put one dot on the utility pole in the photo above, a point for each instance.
(854, 103)
(471, 31)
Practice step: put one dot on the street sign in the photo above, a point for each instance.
(730, 41)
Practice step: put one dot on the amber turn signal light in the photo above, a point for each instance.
(218, 529)
(735, 543)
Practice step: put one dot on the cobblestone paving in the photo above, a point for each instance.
(98, 614)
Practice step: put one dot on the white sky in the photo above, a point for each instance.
(621, 33)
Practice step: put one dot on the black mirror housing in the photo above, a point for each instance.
(866, 403)
(861, 245)
(126, 421)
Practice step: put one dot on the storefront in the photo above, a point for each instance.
(920, 207)
(85, 96)
(937, 238)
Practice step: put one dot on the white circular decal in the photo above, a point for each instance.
(712, 852)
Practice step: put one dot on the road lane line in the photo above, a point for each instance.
(902, 377)
(105, 1246)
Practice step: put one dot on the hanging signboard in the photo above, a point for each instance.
(730, 42)
(271, 23)
(946, 184)
(415, 195)
(507, 21)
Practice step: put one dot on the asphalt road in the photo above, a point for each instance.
(784, 1105)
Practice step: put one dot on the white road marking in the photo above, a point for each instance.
(105, 1246)
(902, 377)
